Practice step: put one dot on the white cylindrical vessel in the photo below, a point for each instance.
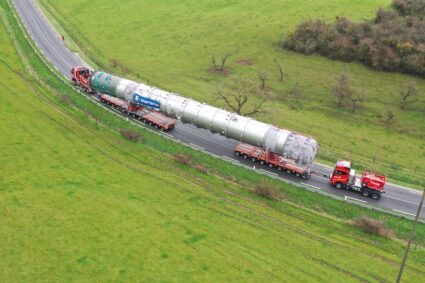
(301, 148)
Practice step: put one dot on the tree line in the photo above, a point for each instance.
(393, 41)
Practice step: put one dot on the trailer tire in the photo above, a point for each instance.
(237, 153)
(339, 186)
(288, 171)
(253, 159)
(365, 193)
(262, 162)
(271, 165)
(376, 196)
(245, 156)
(279, 168)
(297, 174)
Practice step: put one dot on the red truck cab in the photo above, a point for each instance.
(80, 77)
(369, 184)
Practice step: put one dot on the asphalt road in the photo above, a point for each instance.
(397, 198)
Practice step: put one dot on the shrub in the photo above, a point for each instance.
(393, 41)
(183, 158)
(201, 168)
(65, 98)
(373, 226)
(131, 135)
(267, 191)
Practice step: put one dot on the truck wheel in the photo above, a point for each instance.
(237, 153)
(288, 171)
(376, 196)
(270, 165)
(253, 159)
(262, 162)
(245, 156)
(339, 186)
(365, 193)
(279, 168)
(297, 174)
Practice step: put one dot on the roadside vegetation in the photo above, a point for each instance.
(189, 48)
(81, 200)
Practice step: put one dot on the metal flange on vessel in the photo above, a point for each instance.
(292, 145)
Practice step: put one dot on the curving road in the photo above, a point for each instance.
(398, 199)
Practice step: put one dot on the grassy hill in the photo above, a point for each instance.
(78, 202)
(170, 45)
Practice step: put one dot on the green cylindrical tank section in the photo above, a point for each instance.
(104, 83)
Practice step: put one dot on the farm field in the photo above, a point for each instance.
(78, 202)
(171, 46)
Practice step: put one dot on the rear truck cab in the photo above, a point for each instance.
(369, 184)
(80, 77)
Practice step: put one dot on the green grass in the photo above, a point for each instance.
(80, 203)
(170, 45)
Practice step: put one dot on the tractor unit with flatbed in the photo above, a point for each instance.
(80, 77)
(369, 184)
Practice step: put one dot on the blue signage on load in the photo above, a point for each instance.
(146, 101)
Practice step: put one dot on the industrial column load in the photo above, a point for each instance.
(291, 145)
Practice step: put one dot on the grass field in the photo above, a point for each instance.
(80, 203)
(170, 45)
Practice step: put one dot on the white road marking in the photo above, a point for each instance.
(197, 146)
(168, 135)
(411, 214)
(355, 199)
(401, 200)
(317, 188)
(231, 159)
(268, 172)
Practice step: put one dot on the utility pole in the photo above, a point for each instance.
(412, 233)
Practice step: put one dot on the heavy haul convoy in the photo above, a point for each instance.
(272, 146)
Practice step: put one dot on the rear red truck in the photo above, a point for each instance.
(369, 184)
(80, 77)
(272, 160)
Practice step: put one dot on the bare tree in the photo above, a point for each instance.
(281, 72)
(408, 94)
(262, 76)
(390, 116)
(342, 90)
(214, 62)
(242, 97)
(224, 60)
(357, 99)
(219, 65)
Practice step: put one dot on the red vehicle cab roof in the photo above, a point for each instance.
(343, 163)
